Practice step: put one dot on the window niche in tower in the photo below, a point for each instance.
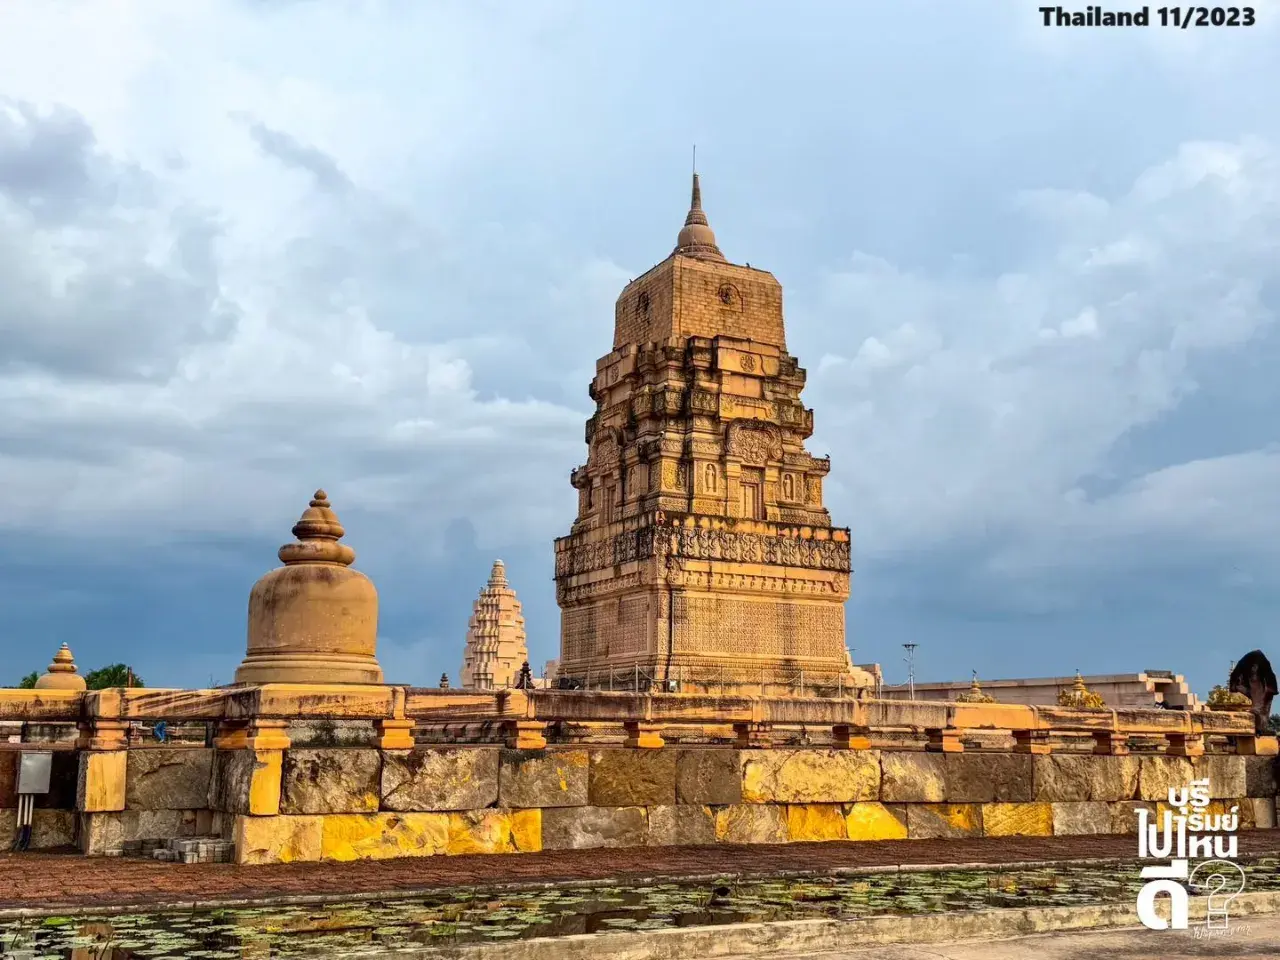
(609, 506)
(752, 484)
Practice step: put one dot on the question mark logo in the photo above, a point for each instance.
(1221, 881)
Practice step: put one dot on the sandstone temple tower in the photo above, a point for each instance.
(496, 646)
(702, 554)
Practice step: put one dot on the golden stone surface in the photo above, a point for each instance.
(526, 830)
(261, 840)
(313, 620)
(702, 553)
(928, 820)
(1017, 819)
(61, 674)
(810, 776)
(496, 646)
(380, 836)
(816, 821)
(101, 787)
(494, 831)
(751, 823)
(264, 782)
(875, 821)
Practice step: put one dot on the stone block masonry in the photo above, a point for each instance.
(341, 804)
(442, 801)
(445, 772)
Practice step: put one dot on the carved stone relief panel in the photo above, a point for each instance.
(607, 451)
(754, 443)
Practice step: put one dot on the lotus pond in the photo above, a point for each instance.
(388, 927)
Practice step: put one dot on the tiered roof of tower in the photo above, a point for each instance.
(496, 643)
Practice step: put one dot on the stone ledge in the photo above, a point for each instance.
(829, 936)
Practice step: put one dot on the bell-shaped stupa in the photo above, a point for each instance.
(314, 620)
(62, 673)
(496, 644)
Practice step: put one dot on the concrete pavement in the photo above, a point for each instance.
(1251, 938)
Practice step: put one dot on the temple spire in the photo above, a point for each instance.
(697, 238)
(496, 643)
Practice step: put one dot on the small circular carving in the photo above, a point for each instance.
(642, 302)
(748, 362)
(725, 293)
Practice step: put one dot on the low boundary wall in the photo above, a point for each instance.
(563, 769)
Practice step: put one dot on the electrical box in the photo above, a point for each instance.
(34, 769)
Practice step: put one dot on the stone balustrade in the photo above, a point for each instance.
(549, 769)
(502, 715)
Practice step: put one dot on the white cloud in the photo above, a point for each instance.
(972, 409)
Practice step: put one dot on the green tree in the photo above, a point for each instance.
(29, 681)
(115, 675)
(1274, 722)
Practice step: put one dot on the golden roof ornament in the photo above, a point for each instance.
(61, 674)
(1080, 697)
(315, 619)
(974, 694)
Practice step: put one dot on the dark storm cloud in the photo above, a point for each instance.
(97, 301)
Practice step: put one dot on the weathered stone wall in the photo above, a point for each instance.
(349, 803)
(166, 796)
(343, 805)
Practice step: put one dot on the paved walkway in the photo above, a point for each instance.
(58, 882)
(1253, 938)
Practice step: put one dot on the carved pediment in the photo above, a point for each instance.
(607, 452)
(754, 443)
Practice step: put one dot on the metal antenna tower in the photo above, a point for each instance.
(910, 658)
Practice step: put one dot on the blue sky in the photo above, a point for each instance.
(248, 249)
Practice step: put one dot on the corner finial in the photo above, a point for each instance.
(318, 531)
(498, 574)
(61, 674)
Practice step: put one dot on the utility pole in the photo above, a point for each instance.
(910, 658)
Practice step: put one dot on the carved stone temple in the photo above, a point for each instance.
(496, 645)
(702, 555)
